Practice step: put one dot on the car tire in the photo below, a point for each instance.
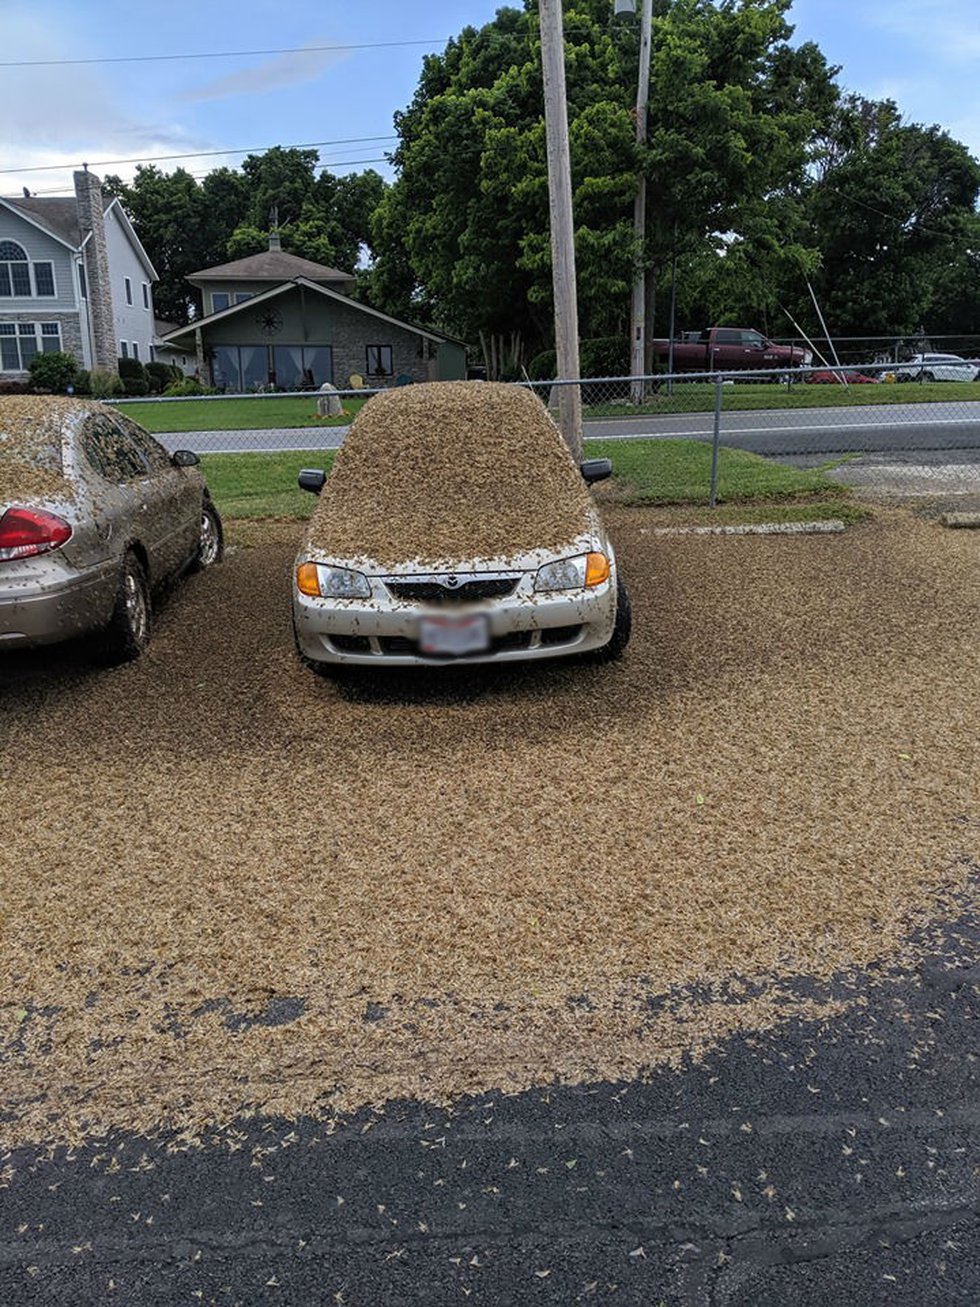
(623, 626)
(131, 624)
(211, 546)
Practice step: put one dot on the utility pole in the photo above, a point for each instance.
(639, 300)
(562, 226)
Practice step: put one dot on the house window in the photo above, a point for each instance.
(123, 348)
(146, 295)
(82, 283)
(379, 361)
(129, 290)
(136, 349)
(15, 271)
(19, 342)
(219, 300)
(242, 295)
(44, 279)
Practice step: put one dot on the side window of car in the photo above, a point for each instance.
(111, 453)
(752, 340)
(728, 336)
(154, 453)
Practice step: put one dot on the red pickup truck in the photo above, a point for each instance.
(728, 349)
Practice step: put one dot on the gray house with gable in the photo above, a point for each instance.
(274, 319)
(73, 277)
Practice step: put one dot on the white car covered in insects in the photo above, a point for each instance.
(455, 527)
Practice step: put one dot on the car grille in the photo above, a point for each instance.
(401, 644)
(467, 592)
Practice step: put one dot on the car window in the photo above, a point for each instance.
(152, 450)
(111, 452)
(728, 336)
(753, 340)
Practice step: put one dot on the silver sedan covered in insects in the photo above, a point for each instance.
(95, 515)
(456, 528)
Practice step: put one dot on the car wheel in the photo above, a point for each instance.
(128, 632)
(211, 547)
(928, 376)
(614, 650)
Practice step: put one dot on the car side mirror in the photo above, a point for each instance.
(312, 479)
(596, 469)
(184, 458)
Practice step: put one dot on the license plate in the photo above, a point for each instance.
(454, 635)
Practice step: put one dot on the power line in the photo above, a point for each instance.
(200, 154)
(215, 54)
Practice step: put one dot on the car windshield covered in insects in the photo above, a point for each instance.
(455, 527)
(94, 515)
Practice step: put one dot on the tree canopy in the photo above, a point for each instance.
(764, 179)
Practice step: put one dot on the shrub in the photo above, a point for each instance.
(83, 383)
(134, 377)
(161, 375)
(543, 366)
(601, 356)
(54, 372)
(188, 387)
(103, 384)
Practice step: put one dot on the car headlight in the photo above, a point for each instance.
(578, 573)
(322, 582)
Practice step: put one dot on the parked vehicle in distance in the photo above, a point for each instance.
(456, 528)
(728, 349)
(95, 515)
(841, 377)
(936, 367)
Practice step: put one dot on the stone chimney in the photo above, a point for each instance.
(91, 220)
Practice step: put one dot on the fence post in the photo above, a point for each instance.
(714, 443)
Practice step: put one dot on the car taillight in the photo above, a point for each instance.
(25, 532)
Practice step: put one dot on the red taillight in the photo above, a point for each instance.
(25, 532)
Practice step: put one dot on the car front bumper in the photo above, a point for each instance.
(520, 627)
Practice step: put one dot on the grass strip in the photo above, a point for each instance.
(657, 472)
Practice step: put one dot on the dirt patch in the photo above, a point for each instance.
(230, 885)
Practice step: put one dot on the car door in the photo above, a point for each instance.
(128, 505)
(178, 493)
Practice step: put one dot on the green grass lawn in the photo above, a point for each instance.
(242, 413)
(699, 397)
(256, 412)
(662, 472)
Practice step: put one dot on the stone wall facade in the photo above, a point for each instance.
(105, 347)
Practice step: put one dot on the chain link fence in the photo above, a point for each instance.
(898, 429)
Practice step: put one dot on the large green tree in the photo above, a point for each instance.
(464, 229)
(892, 210)
(186, 225)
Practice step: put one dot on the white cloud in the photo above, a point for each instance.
(68, 115)
(282, 72)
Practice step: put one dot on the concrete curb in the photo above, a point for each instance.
(960, 519)
(831, 526)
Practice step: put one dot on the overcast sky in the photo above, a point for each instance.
(922, 53)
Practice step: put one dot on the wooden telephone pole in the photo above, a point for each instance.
(562, 225)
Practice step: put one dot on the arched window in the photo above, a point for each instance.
(15, 272)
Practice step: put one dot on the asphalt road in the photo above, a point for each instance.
(831, 1166)
(893, 428)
